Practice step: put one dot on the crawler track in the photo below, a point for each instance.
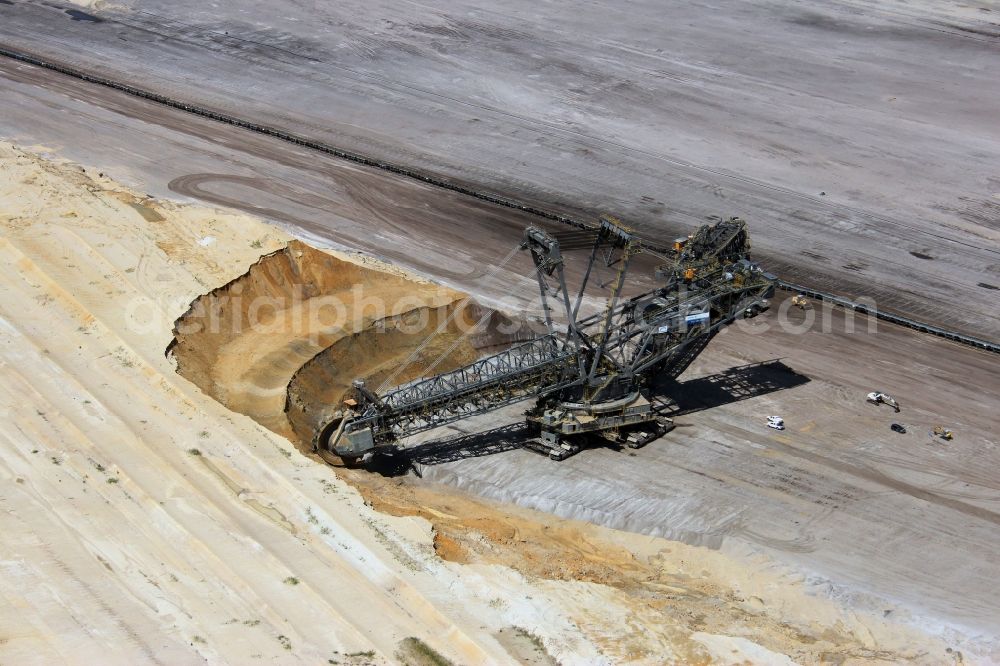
(312, 144)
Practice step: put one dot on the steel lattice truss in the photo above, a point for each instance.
(708, 281)
(489, 383)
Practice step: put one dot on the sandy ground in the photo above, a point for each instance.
(145, 523)
(243, 342)
(859, 138)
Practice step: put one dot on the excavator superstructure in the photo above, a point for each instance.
(589, 375)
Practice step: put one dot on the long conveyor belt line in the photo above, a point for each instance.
(863, 308)
(284, 135)
(407, 172)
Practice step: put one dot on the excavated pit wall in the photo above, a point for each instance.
(283, 342)
(398, 353)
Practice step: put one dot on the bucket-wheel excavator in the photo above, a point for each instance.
(588, 375)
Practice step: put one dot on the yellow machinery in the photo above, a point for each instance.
(943, 433)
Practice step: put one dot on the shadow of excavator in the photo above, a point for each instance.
(671, 398)
(472, 445)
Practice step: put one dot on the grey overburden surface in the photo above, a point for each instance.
(860, 140)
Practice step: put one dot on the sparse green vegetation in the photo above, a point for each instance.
(203, 434)
(194, 452)
(285, 642)
(291, 580)
(112, 480)
(257, 244)
(414, 651)
(535, 640)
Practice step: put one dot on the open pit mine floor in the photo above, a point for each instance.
(156, 517)
(159, 498)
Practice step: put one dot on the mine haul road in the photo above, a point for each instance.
(859, 141)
